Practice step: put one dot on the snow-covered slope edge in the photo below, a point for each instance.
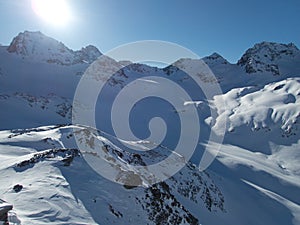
(275, 105)
(261, 146)
(36, 158)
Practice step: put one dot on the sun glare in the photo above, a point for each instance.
(55, 12)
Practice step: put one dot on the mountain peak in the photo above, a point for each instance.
(27, 43)
(88, 54)
(264, 57)
(215, 58)
(39, 47)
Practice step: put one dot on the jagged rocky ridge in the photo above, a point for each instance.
(159, 201)
(264, 57)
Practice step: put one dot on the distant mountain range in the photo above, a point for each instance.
(255, 178)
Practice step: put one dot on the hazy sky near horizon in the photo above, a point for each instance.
(228, 27)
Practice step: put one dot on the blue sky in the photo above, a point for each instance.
(228, 27)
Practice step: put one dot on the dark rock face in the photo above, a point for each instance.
(4, 209)
(264, 57)
(164, 208)
(67, 154)
(18, 187)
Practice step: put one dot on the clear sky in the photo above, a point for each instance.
(228, 27)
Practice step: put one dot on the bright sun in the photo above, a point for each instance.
(56, 12)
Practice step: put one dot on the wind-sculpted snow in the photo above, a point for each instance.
(276, 105)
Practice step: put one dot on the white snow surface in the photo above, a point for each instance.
(255, 178)
(36, 46)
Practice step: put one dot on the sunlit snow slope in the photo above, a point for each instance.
(255, 178)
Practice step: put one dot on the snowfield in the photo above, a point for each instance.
(255, 178)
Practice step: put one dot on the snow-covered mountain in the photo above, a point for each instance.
(268, 57)
(36, 46)
(44, 175)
